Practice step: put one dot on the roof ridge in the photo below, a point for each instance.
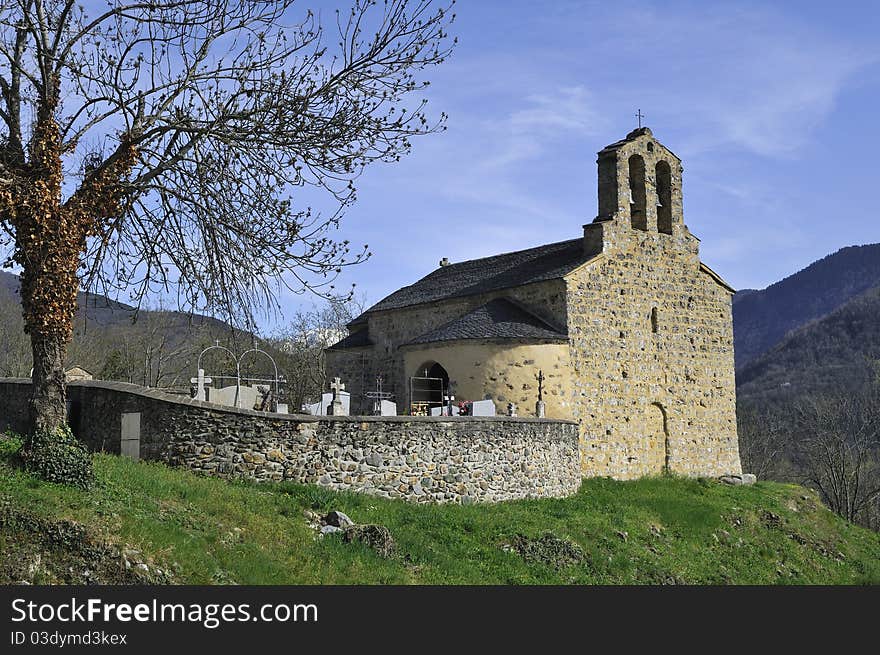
(486, 274)
(504, 254)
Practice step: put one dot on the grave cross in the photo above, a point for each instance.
(200, 383)
(448, 398)
(336, 386)
(336, 408)
(540, 408)
(378, 396)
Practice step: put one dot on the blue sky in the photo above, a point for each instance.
(771, 107)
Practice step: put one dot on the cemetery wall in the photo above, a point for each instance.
(470, 459)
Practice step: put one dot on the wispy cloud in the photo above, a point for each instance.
(538, 123)
(750, 79)
(730, 89)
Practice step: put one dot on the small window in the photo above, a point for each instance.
(654, 325)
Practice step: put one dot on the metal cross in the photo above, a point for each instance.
(379, 394)
(640, 116)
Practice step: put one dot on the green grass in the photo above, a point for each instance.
(645, 532)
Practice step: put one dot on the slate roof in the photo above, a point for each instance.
(498, 319)
(357, 339)
(505, 271)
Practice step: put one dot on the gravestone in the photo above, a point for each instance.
(443, 411)
(263, 400)
(482, 408)
(232, 396)
(320, 408)
(387, 408)
(281, 408)
(336, 407)
(130, 437)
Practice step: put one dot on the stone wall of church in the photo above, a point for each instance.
(651, 342)
(357, 368)
(393, 328)
(502, 371)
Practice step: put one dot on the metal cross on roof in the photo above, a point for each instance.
(640, 116)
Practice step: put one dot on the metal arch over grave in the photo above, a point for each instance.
(263, 397)
(428, 388)
(269, 399)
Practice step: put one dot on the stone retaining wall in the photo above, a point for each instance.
(467, 459)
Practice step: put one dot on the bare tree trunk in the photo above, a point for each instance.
(48, 245)
(48, 406)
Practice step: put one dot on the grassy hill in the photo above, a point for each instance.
(761, 319)
(147, 522)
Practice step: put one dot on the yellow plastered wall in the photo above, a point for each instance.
(503, 371)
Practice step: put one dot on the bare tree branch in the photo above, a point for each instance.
(171, 145)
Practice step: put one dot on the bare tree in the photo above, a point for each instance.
(839, 448)
(301, 346)
(763, 434)
(15, 356)
(156, 146)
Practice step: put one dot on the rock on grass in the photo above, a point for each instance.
(377, 537)
(547, 549)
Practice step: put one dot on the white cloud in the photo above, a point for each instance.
(538, 124)
(754, 80)
(726, 88)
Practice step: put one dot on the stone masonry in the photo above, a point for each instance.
(651, 332)
(421, 459)
(637, 344)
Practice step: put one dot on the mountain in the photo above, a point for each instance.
(115, 341)
(102, 311)
(761, 319)
(839, 351)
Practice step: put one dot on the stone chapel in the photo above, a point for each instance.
(632, 332)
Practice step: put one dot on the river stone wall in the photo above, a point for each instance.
(424, 459)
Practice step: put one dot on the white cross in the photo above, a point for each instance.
(200, 383)
(337, 386)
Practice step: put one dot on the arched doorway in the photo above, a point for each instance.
(656, 440)
(427, 386)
